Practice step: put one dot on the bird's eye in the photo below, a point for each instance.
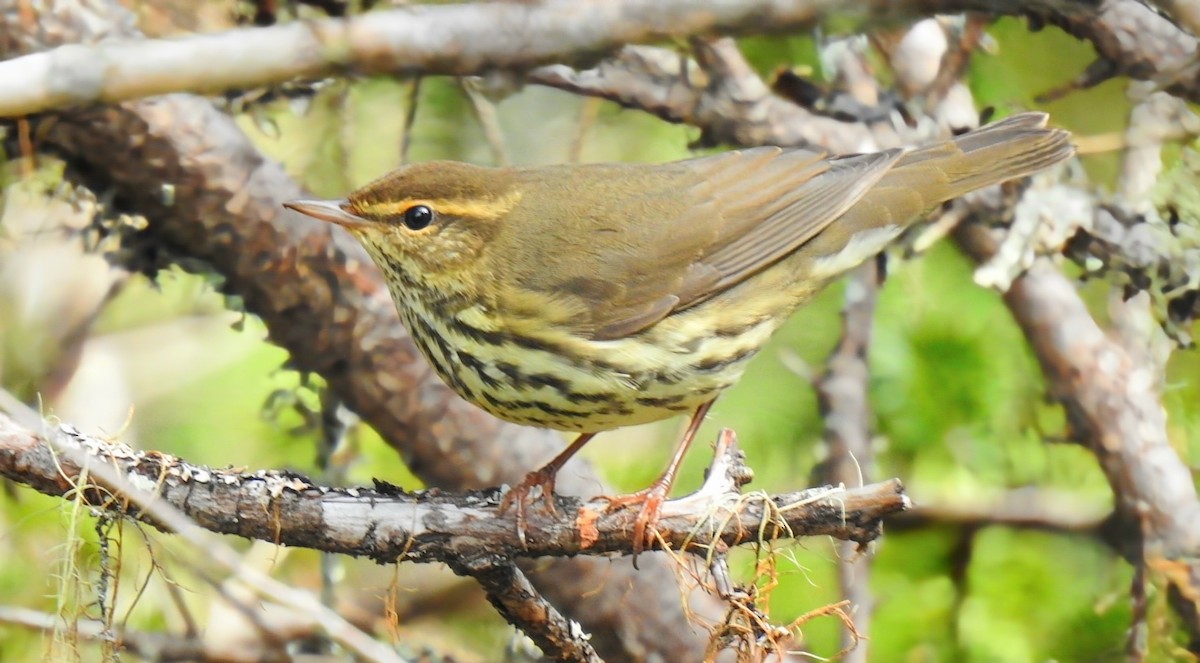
(417, 217)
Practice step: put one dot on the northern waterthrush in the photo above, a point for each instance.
(588, 297)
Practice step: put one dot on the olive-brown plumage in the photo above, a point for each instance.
(588, 297)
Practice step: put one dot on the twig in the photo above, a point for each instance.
(147, 645)
(410, 117)
(1029, 508)
(64, 458)
(842, 394)
(488, 118)
(588, 111)
(842, 397)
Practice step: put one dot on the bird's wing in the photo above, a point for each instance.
(686, 232)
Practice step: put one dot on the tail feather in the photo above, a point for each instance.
(1012, 148)
(928, 176)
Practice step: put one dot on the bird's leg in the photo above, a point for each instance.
(652, 497)
(543, 478)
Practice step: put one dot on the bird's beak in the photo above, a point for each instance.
(332, 211)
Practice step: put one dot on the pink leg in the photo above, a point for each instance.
(540, 478)
(651, 498)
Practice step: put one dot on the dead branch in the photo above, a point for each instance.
(467, 39)
(519, 603)
(388, 525)
(842, 393)
(70, 468)
(1113, 403)
(1131, 39)
(463, 531)
(147, 645)
(842, 398)
(1025, 508)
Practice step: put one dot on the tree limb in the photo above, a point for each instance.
(465, 39)
(389, 525)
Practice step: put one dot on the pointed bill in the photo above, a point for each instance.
(330, 211)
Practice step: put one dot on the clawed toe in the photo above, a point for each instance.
(645, 524)
(518, 497)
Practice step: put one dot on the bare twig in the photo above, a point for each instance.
(1028, 508)
(489, 119)
(67, 467)
(842, 393)
(150, 646)
(718, 92)
(410, 117)
(842, 396)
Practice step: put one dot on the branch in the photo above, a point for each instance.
(1113, 405)
(64, 464)
(842, 393)
(389, 525)
(147, 645)
(520, 604)
(720, 93)
(1131, 40)
(462, 531)
(430, 39)
(1026, 508)
(479, 38)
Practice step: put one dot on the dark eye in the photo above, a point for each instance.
(417, 217)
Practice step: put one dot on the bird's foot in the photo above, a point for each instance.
(644, 526)
(519, 497)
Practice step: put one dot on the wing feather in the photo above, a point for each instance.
(691, 231)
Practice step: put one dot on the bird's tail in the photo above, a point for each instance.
(1015, 147)
(927, 176)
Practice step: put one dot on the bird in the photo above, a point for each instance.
(589, 297)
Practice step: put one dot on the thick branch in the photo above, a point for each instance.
(478, 38)
(1112, 400)
(437, 39)
(1113, 404)
(387, 524)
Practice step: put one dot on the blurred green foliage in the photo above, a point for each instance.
(959, 401)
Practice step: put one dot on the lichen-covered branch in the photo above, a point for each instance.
(1113, 403)
(387, 524)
